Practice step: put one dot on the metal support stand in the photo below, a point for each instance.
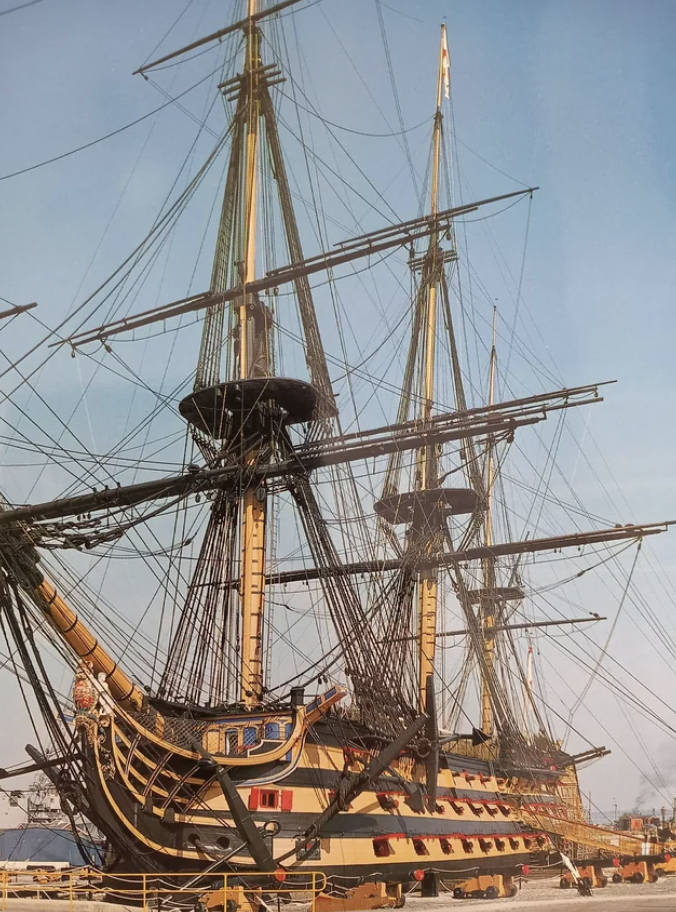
(429, 887)
(591, 872)
(639, 869)
(486, 886)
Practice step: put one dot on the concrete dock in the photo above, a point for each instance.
(535, 896)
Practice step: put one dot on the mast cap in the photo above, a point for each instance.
(406, 508)
(495, 594)
(221, 410)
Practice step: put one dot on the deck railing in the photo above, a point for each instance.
(156, 892)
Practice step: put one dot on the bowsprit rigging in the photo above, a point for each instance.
(208, 766)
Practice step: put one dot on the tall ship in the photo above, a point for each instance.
(295, 710)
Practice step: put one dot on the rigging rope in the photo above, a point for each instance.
(95, 142)
(15, 9)
(597, 666)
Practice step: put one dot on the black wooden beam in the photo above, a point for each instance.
(18, 309)
(525, 626)
(497, 420)
(529, 546)
(399, 235)
(221, 33)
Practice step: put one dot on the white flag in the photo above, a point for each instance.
(445, 63)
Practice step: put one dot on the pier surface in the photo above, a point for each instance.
(543, 895)
(536, 896)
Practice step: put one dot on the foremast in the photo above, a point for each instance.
(240, 416)
(254, 514)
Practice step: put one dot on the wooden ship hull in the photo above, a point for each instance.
(156, 795)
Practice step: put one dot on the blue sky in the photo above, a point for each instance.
(575, 97)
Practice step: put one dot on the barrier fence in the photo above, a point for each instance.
(155, 892)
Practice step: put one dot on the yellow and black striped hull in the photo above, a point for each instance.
(164, 809)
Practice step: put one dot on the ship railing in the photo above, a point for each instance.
(190, 890)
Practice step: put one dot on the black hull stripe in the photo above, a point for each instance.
(370, 826)
(362, 826)
(327, 779)
(456, 868)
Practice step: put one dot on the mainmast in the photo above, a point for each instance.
(423, 509)
(427, 474)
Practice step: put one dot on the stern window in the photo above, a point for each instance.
(268, 798)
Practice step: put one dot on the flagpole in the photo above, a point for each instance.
(444, 69)
(440, 76)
